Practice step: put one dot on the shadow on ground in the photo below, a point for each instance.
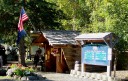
(124, 80)
(21, 80)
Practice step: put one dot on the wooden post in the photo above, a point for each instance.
(82, 67)
(109, 58)
(115, 61)
(109, 69)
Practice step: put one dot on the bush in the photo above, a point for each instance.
(19, 72)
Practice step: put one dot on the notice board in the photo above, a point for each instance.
(95, 54)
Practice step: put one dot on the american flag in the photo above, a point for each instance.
(23, 17)
(21, 31)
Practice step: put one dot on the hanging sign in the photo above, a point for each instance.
(54, 51)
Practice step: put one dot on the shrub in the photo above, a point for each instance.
(19, 70)
(13, 66)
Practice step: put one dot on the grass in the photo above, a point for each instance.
(5, 77)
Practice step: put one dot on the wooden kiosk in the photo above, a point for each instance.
(60, 49)
(97, 49)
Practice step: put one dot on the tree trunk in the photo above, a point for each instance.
(22, 52)
(74, 24)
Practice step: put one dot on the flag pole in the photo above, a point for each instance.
(21, 32)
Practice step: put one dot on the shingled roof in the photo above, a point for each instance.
(60, 37)
(108, 37)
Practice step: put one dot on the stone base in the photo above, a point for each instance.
(93, 76)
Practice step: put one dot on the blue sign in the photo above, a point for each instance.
(95, 54)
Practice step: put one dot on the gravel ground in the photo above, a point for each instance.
(120, 74)
(61, 77)
(51, 76)
(66, 77)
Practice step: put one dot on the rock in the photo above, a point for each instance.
(32, 78)
(24, 78)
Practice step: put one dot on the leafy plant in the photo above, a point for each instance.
(19, 72)
(13, 66)
(23, 71)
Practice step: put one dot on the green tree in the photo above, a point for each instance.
(98, 16)
(43, 15)
(77, 12)
(111, 16)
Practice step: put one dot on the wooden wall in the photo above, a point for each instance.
(65, 59)
(71, 55)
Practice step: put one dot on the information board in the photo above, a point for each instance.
(95, 54)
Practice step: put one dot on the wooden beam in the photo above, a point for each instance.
(38, 44)
(65, 46)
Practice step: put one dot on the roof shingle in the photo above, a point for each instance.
(61, 36)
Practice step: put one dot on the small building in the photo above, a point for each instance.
(60, 49)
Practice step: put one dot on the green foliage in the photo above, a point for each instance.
(42, 14)
(8, 19)
(19, 72)
(13, 66)
(111, 16)
(47, 13)
(83, 15)
(23, 71)
(122, 61)
(29, 69)
(77, 12)
(5, 77)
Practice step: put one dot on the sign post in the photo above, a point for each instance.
(109, 58)
(82, 67)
